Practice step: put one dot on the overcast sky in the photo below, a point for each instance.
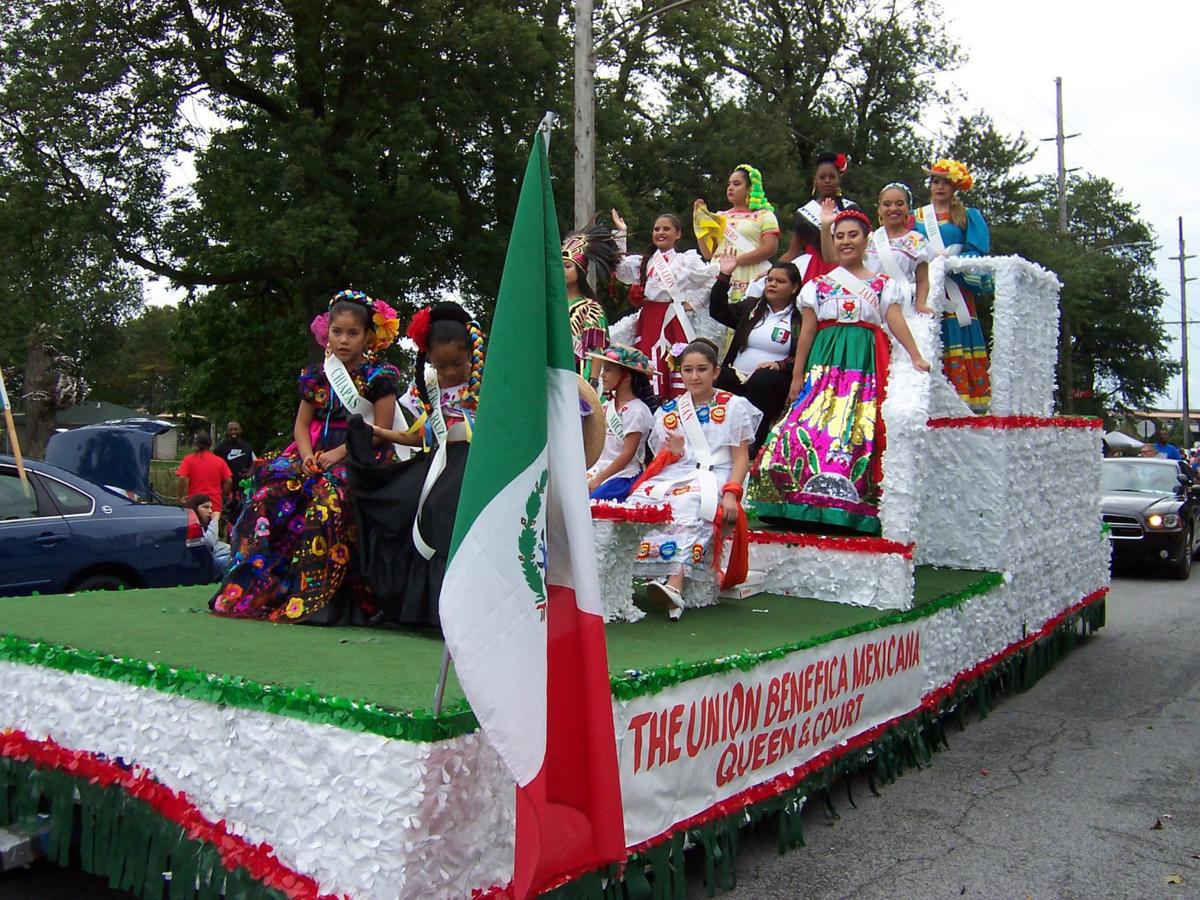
(1131, 85)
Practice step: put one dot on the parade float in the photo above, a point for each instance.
(140, 735)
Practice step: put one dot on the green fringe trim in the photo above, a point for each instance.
(657, 873)
(119, 837)
(232, 690)
(651, 681)
(822, 515)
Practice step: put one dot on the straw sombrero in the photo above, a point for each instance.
(624, 355)
(591, 417)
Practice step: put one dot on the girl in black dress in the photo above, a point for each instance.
(406, 510)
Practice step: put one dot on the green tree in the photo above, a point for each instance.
(135, 363)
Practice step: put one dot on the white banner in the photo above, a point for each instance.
(708, 739)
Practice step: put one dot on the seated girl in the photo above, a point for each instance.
(625, 377)
(406, 509)
(294, 558)
(758, 364)
(702, 441)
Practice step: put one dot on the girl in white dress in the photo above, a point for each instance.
(898, 251)
(624, 377)
(702, 441)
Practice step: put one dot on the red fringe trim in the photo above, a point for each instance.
(1006, 422)
(258, 860)
(780, 783)
(845, 544)
(640, 515)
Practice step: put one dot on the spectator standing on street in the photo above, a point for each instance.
(239, 456)
(1163, 446)
(203, 472)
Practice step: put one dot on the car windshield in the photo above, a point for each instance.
(1137, 476)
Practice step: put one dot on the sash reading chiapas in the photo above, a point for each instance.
(356, 404)
(889, 260)
(933, 233)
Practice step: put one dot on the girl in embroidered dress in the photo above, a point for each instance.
(748, 227)
(702, 441)
(956, 230)
(805, 247)
(822, 462)
(896, 250)
(407, 509)
(294, 553)
(625, 377)
(670, 290)
(591, 247)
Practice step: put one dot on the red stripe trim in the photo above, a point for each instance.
(844, 544)
(258, 860)
(604, 511)
(1006, 422)
(780, 783)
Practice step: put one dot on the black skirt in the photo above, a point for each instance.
(405, 585)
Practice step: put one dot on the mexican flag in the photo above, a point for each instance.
(520, 604)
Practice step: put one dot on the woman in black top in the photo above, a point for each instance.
(806, 232)
(758, 364)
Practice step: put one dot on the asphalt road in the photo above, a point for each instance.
(1055, 795)
(1086, 786)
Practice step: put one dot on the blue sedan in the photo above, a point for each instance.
(62, 533)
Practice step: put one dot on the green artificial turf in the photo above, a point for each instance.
(398, 669)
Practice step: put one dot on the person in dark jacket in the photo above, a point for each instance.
(758, 364)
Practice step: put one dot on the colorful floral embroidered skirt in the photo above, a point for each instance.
(685, 544)
(294, 551)
(965, 358)
(821, 462)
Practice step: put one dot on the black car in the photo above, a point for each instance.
(1151, 508)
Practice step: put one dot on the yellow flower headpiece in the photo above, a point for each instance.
(954, 172)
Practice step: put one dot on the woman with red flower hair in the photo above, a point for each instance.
(822, 463)
(805, 247)
(293, 552)
(406, 509)
(953, 229)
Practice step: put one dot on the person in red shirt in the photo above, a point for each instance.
(203, 472)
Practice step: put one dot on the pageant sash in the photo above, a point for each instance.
(615, 425)
(891, 264)
(859, 288)
(811, 211)
(356, 404)
(662, 269)
(705, 460)
(437, 464)
(710, 226)
(933, 233)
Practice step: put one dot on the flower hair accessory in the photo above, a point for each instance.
(418, 329)
(386, 326)
(674, 354)
(758, 197)
(898, 186)
(953, 171)
(857, 214)
(841, 162)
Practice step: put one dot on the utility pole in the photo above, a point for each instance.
(1065, 352)
(1183, 257)
(585, 114)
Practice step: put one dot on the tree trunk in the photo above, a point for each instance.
(38, 395)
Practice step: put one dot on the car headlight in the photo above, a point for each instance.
(1168, 521)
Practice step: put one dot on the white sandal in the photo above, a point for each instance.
(666, 597)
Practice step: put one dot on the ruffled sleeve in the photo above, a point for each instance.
(808, 297)
(313, 386)
(741, 422)
(696, 277)
(889, 294)
(382, 381)
(629, 269)
(637, 418)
